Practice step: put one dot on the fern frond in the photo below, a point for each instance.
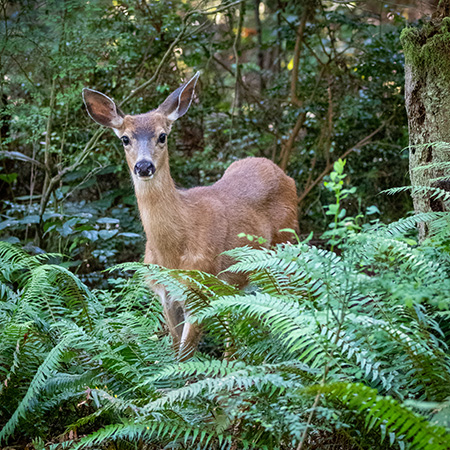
(433, 192)
(402, 226)
(207, 368)
(45, 370)
(152, 431)
(283, 317)
(58, 291)
(242, 379)
(351, 348)
(423, 355)
(387, 413)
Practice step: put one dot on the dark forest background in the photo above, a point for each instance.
(301, 83)
(342, 339)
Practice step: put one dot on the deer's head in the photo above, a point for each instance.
(144, 136)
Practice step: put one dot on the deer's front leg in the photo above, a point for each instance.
(189, 338)
(174, 315)
(185, 335)
(173, 310)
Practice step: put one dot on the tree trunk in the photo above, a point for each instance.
(427, 95)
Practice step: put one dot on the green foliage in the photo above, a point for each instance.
(349, 348)
(55, 163)
(425, 48)
(398, 422)
(322, 348)
(341, 224)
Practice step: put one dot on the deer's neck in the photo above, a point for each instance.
(164, 218)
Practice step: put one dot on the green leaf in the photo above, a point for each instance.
(8, 178)
(107, 234)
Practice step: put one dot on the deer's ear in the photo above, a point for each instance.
(178, 102)
(102, 109)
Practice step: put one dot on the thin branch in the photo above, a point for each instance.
(316, 55)
(311, 414)
(84, 180)
(253, 95)
(211, 10)
(313, 165)
(54, 181)
(297, 52)
(158, 68)
(287, 148)
(327, 146)
(199, 29)
(48, 132)
(96, 136)
(32, 185)
(24, 72)
(330, 34)
(215, 9)
(259, 41)
(236, 51)
(323, 48)
(329, 166)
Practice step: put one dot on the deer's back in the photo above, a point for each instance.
(255, 181)
(255, 197)
(269, 195)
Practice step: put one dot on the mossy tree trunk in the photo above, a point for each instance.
(427, 95)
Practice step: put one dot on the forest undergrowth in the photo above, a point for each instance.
(338, 347)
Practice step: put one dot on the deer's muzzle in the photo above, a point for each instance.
(144, 168)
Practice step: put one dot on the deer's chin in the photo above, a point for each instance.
(148, 178)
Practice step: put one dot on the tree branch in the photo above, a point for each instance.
(329, 166)
(251, 95)
(287, 148)
(297, 52)
(236, 51)
(94, 139)
(48, 132)
(259, 41)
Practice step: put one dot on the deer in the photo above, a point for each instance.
(190, 229)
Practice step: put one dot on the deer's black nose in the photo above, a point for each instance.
(144, 168)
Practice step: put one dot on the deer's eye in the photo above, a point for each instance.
(125, 140)
(162, 138)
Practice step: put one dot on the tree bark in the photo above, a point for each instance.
(427, 95)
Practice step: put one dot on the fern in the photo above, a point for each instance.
(353, 329)
(387, 414)
(434, 192)
(45, 370)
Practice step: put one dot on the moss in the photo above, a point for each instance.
(428, 49)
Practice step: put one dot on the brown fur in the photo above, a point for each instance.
(190, 229)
